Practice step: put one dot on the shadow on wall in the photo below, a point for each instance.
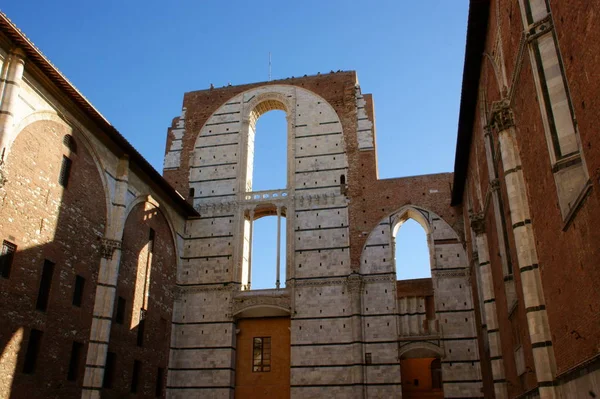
(52, 219)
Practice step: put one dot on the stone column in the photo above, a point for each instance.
(502, 122)
(106, 288)
(484, 271)
(250, 249)
(10, 86)
(278, 247)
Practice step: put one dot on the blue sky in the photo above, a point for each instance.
(134, 60)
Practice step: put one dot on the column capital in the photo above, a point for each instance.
(477, 222)
(108, 247)
(502, 117)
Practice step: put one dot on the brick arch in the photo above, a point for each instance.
(80, 138)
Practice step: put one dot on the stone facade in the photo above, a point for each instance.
(341, 223)
(113, 284)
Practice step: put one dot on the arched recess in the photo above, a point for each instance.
(144, 300)
(81, 139)
(420, 350)
(164, 211)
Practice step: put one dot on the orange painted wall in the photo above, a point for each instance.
(276, 383)
(418, 369)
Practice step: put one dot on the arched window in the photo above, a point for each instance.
(269, 152)
(412, 251)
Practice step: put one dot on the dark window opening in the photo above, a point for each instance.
(159, 382)
(109, 370)
(416, 382)
(76, 351)
(151, 240)
(141, 326)
(192, 193)
(70, 143)
(6, 258)
(65, 172)
(120, 316)
(368, 358)
(45, 285)
(33, 351)
(135, 377)
(343, 179)
(261, 354)
(78, 291)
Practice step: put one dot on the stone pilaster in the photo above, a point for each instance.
(484, 271)
(354, 285)
(503, 124)
(10, 85)
(106, 289)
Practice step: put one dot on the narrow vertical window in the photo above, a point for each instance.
(109, 370)
(151, 238)
(45, 285)
(65, 172)
(33, 351)
(76, 351)
(192, 193)
(135, 377)
(120, 315)
(6, 258)
(160, 375)
(78, 290)
(261, 354)
(141, 326)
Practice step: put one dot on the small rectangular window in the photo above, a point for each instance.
(6, 258)
(151, 241)
(160, 375)
(109, 370)
(45, 285)
(76, 352)
(261, 354)
(368, 358)
(78, 291)
(120, 315)
(135, 377)
(65, 172)
(141, 326)
(33, 351)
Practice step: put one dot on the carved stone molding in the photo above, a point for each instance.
(451, 273)
(540, 28)
(180, 290)
(313, 283)
(354, 283)
(108, 247)
(502, 117)
(242, 302)
(477, 222)
(387, 278)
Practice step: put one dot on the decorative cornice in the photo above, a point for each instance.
(354, 283)
(440, 273)
(108, 247)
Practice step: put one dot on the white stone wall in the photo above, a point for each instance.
(456, 338)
